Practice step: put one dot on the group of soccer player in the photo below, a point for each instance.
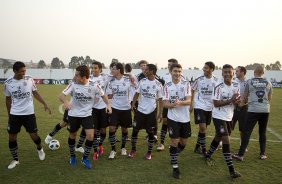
(101, 100)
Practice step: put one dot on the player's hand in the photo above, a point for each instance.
(46, 107)
(191, 109)
(160, 117)
(67, 105)
(109, 109)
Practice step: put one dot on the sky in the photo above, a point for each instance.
(235, 32)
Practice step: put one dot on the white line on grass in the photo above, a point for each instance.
(274, 133)
(236, 138)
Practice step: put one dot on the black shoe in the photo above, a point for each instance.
(198, 150)
(235, 174)
(176, 173)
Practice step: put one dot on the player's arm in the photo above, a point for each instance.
(244, 99)
(269, 95)
(107, 102)
(192, 100)
(185, 102)
(38, 97)
(8, 104)
(63, 99)
(160, 110)
(135, 98)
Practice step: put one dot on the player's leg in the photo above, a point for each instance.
(262, 122)
(161, 146)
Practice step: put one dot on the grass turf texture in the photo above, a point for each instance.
(56, 169)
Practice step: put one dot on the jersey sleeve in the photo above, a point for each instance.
(138, 89)
(34, 88)
(216, 94)
(195, 85)
(99, 90)
(69, 89)
(188, 90)
(6, 91)
(109, 89)
(165, 93)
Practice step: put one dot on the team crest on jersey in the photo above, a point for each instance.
(24, 83)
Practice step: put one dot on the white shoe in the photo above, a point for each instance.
(123, 151)
(112, 154)
(48, 139)
(41, 154)
(13, 164)
(80, 149)
(160, 147)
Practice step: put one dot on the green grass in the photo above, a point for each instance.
(55, 169)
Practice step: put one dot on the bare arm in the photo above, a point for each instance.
(8, 104)
(134, 101)
(63, 99)
(109, 107)
(40, 99)
(220, 103)
(160, 110)
(192, 100)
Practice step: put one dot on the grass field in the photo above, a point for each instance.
(55, 168)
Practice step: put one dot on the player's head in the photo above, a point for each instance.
(227, 73)
(82, 74)
(19, 69)
(127, 68)
(96, 68)
(240, 71)
(208, 68)
(111, 66)
(117, 69)
(259, 71)
(175, 71)
(150, 70)
(142, 65)
(170, 62)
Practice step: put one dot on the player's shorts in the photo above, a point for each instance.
(202, 116)
(100, 118)
(178, 129)
(222, 128)
(145, 121)
(17, 121)
(66, 116)
(121, 117)
(76, 122)
(165, 111)
(240, 115)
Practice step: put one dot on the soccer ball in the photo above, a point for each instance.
(54, 144)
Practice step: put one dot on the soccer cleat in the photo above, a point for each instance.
(101, 150)
(123, 151)
(13, 164)
(235, 174)
(73, 161)
(48, 139)
(198, 150)
(148, 156)
(160, 147)
(176, 173)
(112, 154)
(132, 154)
(95, 156)
(263, 157)
(41, 154)
(237, 157)
(80, 149)
(86, 163)
(155, 139)
(210, 161)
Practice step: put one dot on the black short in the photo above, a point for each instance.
(165, 111)
(253, 118)
(240, 115)
(75, 122)
(100, 118)
(202, 116)
(145, 121)
(17, 121)
(222, 128)
(66, 116)
(121, 117)
(178, 129)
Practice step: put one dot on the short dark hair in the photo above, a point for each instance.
(128, 67)
(226, 66)
(242, 69)
(98, 64)
(175, 65)
(172, 60)
(120, 67)
(142, 62)
(210, 64)
(18, 65)
(83, 71)
(112, 64)
(153, 68)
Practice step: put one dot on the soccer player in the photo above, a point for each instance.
(84, 93)
(150, 92)
(177, 98)
(202, 90)
(258, 94)
(19, 91)
(225, 95)
(118, 91)
(240, 112)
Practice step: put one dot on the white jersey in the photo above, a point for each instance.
(224, 92)
(20, 92)
(177, 91)
(120, 90)
(133, 87)
(83, 97)
(102, 80)
(150, 91)
(203, 90)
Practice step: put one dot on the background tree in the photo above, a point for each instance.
(41, 64)
(56, 63)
